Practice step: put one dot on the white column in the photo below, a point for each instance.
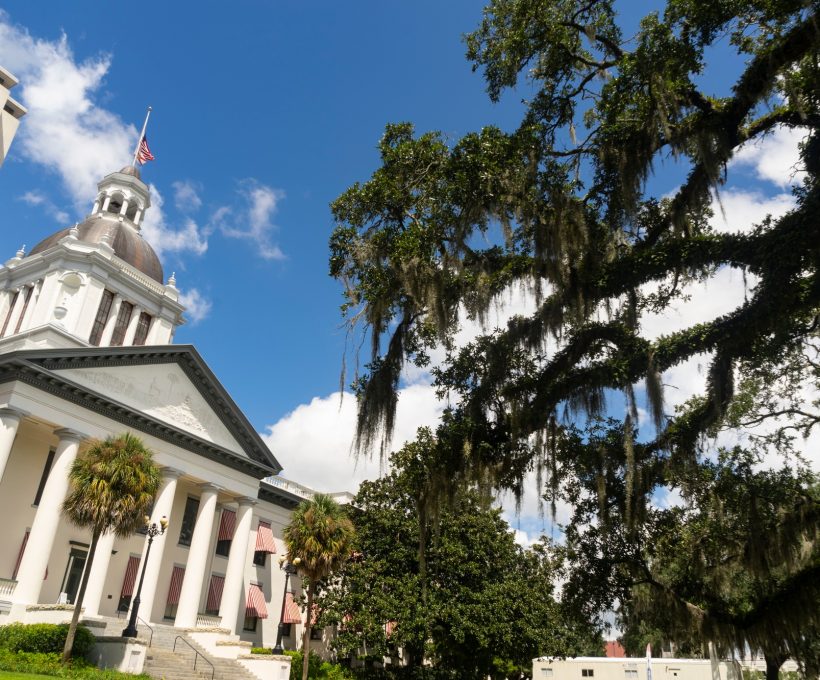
(106, 202)
(234, 587)
(15, 312)
(132, 326)
(96, 579)
(96, 205)
(197, 559)
(162, 506)
(9, 422)
(114, 312)
(41, 539)
(137, 216)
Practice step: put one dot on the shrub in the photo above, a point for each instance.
(44, 638)
(314, 664)
(49, 664)
(261, 650)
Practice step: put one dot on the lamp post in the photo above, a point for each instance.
(152, 531)
(289, 568)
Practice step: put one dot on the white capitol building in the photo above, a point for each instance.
(87, 322)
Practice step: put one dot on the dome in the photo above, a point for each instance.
(126, 241)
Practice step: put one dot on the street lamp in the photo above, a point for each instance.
(152, 531)
(289, 568)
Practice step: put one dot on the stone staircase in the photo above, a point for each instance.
(162, 662)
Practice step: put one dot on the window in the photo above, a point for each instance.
(250, 623)
(8, 314)
(44, 477)
(316, 633)
(227, 525)
(102, 316)
(546, 672)
(223, 548)
(214, 594)
(29, 291)
(630, 673)
(286, 627)
(188, 521)
(121, 326)
(259, 558)
(143, 324)
(587, 673)
(174, 590)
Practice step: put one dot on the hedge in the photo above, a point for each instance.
(44, 638)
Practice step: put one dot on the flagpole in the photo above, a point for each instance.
(139, 140)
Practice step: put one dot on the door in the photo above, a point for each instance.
(73, 574)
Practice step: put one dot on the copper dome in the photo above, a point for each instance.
(126, 241)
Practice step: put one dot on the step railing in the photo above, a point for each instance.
(7, 586)
(145, 623)
(197, 654)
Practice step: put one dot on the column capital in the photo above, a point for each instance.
(13, 413)
(170, 473)
(246, 501)
(209, 487)
(68, 434)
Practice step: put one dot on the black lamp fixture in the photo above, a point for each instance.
(152, 530)
(290, 568)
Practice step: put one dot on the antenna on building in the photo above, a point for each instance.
(141, 137)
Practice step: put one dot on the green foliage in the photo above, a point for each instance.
(456, 588)
(51, 665)
(296, 661)
(319, 539)
(261, 650)
(44, 638)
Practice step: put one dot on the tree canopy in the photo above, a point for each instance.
(560, 206)
(459, 597)
(563, 207)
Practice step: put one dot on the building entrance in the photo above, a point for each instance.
(73, 575)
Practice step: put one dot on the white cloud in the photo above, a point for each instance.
(313, 441)
(738, 210)
(256, 216)
(65, 129)
(68, 131)
(197, 306)
(190, 237)
(37, 198)
(775, 157)
(186, 196)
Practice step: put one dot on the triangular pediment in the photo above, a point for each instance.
(162, 391)
(167, 391)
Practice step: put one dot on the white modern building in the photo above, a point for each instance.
(11, 112)
(87, 321)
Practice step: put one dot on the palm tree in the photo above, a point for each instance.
(113, 484)
(320, 536)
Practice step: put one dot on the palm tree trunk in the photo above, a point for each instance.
(78, 605)
(306, 639)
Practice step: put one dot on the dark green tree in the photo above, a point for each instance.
(459, 594)
(560, 206)
(736, 563)
(113, 484)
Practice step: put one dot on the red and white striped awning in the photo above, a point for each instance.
(227, 525)
(176, 585)
(264, 539)
(130, 576)
(256, 606)
(215, 593)
(20, 556)
(292, 612)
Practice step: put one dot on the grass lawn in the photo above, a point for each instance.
(21, 676)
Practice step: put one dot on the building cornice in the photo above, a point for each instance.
(36, 368)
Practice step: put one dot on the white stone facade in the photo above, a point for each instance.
(62, 382)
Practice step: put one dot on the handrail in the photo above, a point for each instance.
(145, 623)
(196, 653)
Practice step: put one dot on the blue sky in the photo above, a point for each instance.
(264, 112)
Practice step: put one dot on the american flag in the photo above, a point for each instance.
(144, 153)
